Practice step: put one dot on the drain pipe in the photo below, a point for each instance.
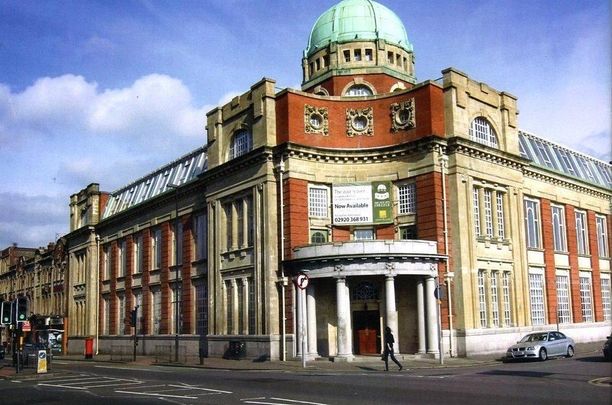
(281, 171)
(448, 277)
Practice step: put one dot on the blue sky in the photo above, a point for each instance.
(106, 91)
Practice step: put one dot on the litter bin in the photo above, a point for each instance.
(89, 348)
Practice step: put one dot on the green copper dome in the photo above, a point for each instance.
(357, 20)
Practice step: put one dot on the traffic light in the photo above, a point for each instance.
(22, 309)
(5, 313)
(133, 313)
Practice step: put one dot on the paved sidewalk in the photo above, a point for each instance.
(360, 364)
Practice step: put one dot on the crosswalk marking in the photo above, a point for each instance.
(153, 394)
(285, 401)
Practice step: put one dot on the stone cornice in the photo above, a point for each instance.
(574, 185)
(482, 152)
(363, 156)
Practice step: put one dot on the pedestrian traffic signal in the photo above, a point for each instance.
(22, 309)
(5, 313)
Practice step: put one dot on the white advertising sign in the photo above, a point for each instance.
(352, 204)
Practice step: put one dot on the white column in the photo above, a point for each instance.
(343, 309)
(432, 313)
(298, 317)
(390, 309)
(245, 306)
(421, 316)
(311, 306)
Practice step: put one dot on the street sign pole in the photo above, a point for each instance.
(302, 282)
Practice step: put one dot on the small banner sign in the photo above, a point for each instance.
(42, 362)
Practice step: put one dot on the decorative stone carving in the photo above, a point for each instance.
(402, 116)
(316, 120)
(359, 121)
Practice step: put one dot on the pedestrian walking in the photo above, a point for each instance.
(388, 352)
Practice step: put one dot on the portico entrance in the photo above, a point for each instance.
(366, 326)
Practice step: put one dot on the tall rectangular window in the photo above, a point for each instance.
(558, 223)
(121, 299)
(581, 233)
(563, 299)
(482, 299)
(586, 300)
(494, 298)
(122, 258)
(252, 303)
(239, 209)
(407, 198)
(536, 295)
(602, 236)
(138, 254)
(200, 237)
(156, 249)
(488, 212)
(501, 230)
(506, 297)
(202, 309)
(476, 201)
(176, 296)
(138, 307)
(229, 307)
(240, 293)
(228, 209)
(177, 243)
(250, 220)
(605, 297)
(107, 317)
(156, 320)
(532, 223)
(318, 202)
(106, 262)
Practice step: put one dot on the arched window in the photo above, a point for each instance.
(358, 90)
(482, 132)
(365, 291)
(318, 237)
(242, 142)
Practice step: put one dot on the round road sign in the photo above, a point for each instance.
(301, 281)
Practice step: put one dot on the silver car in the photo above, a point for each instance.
(542, 345)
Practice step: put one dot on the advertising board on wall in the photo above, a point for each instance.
(362, 203)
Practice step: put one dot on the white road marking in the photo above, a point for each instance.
(135, 369)
(296, 401)
(63, 386)
(115, 384)
(194, 387)
(152, 394)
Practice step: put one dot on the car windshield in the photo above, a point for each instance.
(535, 337)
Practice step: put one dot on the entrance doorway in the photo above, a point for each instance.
(366, 335)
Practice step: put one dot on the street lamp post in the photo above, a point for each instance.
(176, 272)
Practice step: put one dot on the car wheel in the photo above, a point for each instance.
(543, 355)
(570, 351)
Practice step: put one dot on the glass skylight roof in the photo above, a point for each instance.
(556, 157)
(179, 172)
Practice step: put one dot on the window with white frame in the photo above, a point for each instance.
(407, 198)
(558, 223)
(122, 259)
(177, 249)
(482, 298)
(532, 223)
(175, 300)
(363, 234)
(602, 236)
(564, 313)
(106, 263)
(138, 306)
(494, 298)
(242, 142)
(408, 232)
(501, 230)
(586, 298)
(605, 297)
(239, 222)
(476, 201)
(581, 233)
(121, 314)
(318, 236)
(156, 299)
(536, 296)
(488, 212)
(138, 254)
(506, 298)
(482, 132)
(318, 202)
(156, 249)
